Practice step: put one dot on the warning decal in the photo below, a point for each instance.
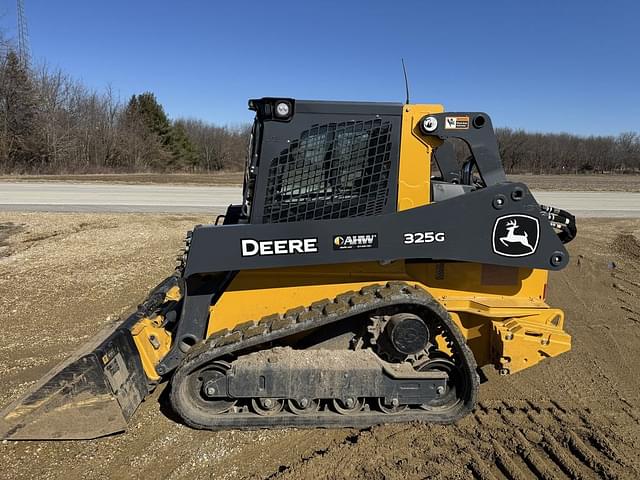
(456, 123)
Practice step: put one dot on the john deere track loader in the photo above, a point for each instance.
(363, 279)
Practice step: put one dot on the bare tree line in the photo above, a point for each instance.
(524, 152)
(51, 123)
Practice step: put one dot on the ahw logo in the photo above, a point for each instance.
(516, 235)
(349, 242)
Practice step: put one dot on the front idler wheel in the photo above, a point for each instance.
(204, 388)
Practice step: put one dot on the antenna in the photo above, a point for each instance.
(23, 35)
(406, 81)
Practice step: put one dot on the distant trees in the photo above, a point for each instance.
(524, 152)
(50, 123)
(217, 147)
(155, 142)
(19, 142)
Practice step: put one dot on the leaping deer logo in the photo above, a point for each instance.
(513, 237)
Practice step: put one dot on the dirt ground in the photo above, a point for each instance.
(612, 183)
(62, 276)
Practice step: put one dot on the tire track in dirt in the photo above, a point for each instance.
(348, 441)
(501, 440)
(626, 276)
(629, 297)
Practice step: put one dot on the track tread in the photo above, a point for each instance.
(299, 319)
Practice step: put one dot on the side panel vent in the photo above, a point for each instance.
(335, 170)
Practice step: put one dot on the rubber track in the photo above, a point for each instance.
(321, 313)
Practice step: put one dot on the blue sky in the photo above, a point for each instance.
(545, 65)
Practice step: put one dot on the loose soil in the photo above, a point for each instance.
(63, 276)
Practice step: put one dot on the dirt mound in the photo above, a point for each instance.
(627, 245)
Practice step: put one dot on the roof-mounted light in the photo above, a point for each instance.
(283, 109)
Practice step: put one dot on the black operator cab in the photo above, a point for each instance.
(313, 160)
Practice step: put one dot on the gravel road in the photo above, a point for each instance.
(98, 197)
